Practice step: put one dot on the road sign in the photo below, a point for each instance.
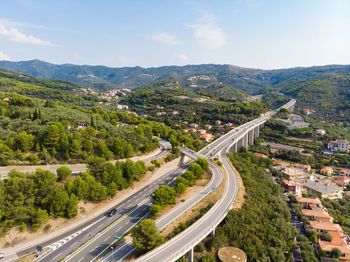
(213, 188)
(169, 138)
(116, 238)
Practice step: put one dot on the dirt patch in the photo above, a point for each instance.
(241, 190)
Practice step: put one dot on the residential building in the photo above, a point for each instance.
(82, 124)
(122, 107)
(217, 122)
(305, 168)
(339, 145)
(327, 170)
(161, 113)
(175, 113)
(207, 127)
(202, 131)
(193, 125)
(323, 190)
(228, 124)
(309, 202)
(320, 132)
(293, 187)
(206, 137)
(317, 215)
(344, 249)
(344, 172)
(323, 227)
(308, 111)
(341, 180)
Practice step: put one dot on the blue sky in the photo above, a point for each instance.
(249, 33)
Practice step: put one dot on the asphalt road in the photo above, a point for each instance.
(65, 243)
(127, 248)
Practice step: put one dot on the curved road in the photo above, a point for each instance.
(180, 244)
(66, 242)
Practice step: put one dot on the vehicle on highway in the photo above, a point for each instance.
(111, 212)
(2, 255)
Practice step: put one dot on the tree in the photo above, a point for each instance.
(57, 202)
(75, 148)
(203, 163)
(197, 170)
(103, 151)
(52, 136)
(112, 189)
(326, 237)
(180, 188)
(182, 180)
(129, 151)
(336, 252)
(63, 172)
(190, 177)
(24, 141)
(38, 218)
(72, 206)
(164, 196)
(92, 121)
(155, 210)
(146, 236)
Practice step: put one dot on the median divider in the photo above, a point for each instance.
(103, 231)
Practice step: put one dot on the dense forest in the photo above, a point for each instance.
(261, 227)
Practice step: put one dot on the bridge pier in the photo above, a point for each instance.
(213, 233)
(190, 255)
(256, 132)
(251, 137)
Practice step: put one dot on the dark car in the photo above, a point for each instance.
(111, 212)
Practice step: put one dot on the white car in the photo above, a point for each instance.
(2, 255)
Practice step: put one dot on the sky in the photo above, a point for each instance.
(265, 34)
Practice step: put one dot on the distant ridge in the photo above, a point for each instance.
(103, 77)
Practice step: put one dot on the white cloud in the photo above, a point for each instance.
(208, 34)
(14, 35)
(166, 39)
(4, 56)
(183, 58)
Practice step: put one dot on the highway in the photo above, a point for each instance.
(139, 204)
(180, 244)
(127, 248)
(164, 148)
(65, 243)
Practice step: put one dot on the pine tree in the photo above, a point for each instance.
(92, 122)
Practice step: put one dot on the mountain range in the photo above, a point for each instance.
(194, 77)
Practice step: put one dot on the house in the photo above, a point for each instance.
(193, 125)
(206, 137)
(217, 122)
(202, 131)
(278, 162)
(296, 174)
(175, 113)
(161, 113)
(207, 127)
(228, 124)
(339, 145)
(122, 107)
(305, 168)
(327, 170)
(320, 132)
(159, 107)
(309, 202)
(323, 190)
(82, 124)
(341, 180)
(344, 172)
(323, 227)
(185, 122)
(293, 187)
(260, 155)
(308, 111)
(317, 215)
(344, 249)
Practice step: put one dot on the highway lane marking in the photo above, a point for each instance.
(81, 259)
(57, 255)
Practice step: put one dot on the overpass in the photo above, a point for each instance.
(184, 242)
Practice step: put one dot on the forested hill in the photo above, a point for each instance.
(193, 77)
(327, 94)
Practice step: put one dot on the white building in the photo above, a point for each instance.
(339, 145)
